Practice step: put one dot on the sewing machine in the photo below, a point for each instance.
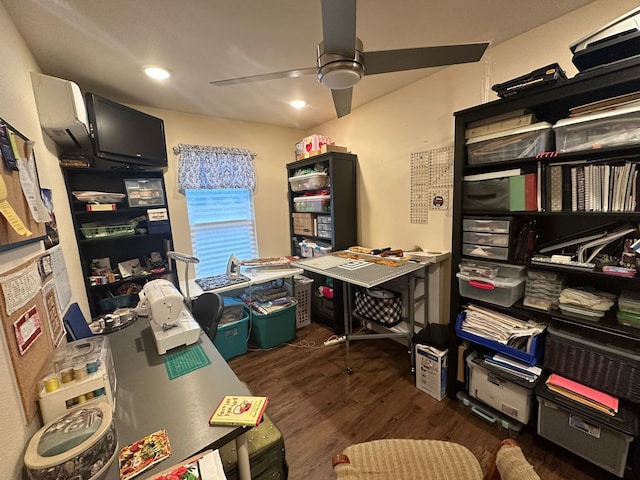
(171, 321)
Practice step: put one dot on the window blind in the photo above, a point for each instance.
(221, 223)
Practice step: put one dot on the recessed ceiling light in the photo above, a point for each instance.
(298, 104)
(157, 72)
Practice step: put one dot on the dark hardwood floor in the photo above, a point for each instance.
(321, 409)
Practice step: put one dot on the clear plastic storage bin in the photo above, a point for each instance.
(312, 203)
(598, 130)
(310, 181)
(522, 142)
(499, 290)
(491, 239)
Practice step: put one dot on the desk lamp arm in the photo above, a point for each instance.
(187, 260)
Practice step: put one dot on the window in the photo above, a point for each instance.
(221, 223)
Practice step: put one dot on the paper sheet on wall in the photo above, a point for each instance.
(9, 213)
(20, 287)
(60, 278)
(31, 187)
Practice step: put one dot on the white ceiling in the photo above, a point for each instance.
(103, 45)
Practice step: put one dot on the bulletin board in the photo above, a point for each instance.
(31, 326)
(18, 225)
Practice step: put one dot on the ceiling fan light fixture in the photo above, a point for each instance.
(340, 75)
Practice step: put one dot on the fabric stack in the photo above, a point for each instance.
(587, 304)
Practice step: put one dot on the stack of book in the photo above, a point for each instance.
(582, 394)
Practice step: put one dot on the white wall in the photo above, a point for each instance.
(383, 134)
(17, 106)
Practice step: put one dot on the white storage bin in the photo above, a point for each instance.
(485, 225)
(598, 130)
(320, 251)
(312, 203)
(310, 181)
(522, 142)
(499, 290)
(507, 397)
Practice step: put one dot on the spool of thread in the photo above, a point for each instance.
(89, 395)
(67, 375)
(109, 322)
(99, 392)
(81, 399)
(92, 366)
(51, 383)
(80, 372)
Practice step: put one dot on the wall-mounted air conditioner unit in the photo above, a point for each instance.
(61, 111)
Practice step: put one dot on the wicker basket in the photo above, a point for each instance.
(612, 370)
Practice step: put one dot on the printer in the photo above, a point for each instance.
(616, 41)
(171, 321)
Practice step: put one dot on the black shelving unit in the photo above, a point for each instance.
(138, 243)
(341, 215)
(551, 104)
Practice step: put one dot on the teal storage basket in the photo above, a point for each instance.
(231, 338)
(274, 328)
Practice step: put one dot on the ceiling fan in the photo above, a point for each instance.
(342, 62)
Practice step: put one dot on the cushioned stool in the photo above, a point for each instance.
(404, 459)
(266, 453)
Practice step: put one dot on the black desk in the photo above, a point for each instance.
(147, 401)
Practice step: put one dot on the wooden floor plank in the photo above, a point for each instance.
(321, 409)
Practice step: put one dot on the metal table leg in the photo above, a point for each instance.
(242, 449)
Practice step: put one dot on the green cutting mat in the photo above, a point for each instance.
(185, 361)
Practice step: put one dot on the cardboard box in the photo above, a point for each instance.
(328, 147)
(303, 224)
(431, 370)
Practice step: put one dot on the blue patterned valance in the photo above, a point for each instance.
(202, 167)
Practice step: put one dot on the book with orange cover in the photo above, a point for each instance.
(581, 393)
(239, 410)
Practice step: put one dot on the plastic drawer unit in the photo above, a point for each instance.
(521, 142)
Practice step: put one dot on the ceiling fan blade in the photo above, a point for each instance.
(339, 26)
(414, 58)
(342, 101)
(267, 76)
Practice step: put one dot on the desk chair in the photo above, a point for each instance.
(207, 311)
(400, 459)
